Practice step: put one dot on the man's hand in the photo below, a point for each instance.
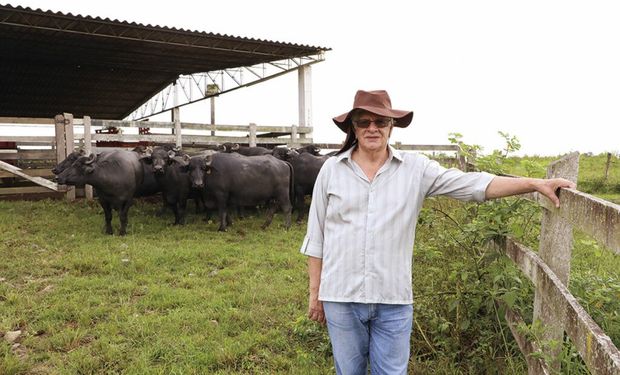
(315, 308)
(502, 186)
(548, 187)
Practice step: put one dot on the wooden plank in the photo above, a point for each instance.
(45, 172)
(528, 348)
(195, 126)
(88, 189)
(27, 154)
(25, 190)
(26, 120)
(30, 139)
(162, 138)
(595, 347)
(453, 148)
(187, 139)
(37, 180)
(594, 216)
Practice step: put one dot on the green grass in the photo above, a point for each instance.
(591, 177)
(162, 300)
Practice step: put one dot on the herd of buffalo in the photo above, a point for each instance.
(226, 179)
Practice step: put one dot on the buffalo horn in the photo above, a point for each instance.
(90, 159)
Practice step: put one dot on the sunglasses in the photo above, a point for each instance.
(383, 122)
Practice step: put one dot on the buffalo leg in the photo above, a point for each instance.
(271, 210)
(123, 216)
(221, 210)
(107, 213)
(164, 206)
(287, 209)
(222, 201)
(177, 215)
(182, 211)
(301, 206)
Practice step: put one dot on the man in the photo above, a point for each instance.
(361, 228)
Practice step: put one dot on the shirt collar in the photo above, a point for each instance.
(392, 154)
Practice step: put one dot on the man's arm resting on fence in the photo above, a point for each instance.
(506, 186)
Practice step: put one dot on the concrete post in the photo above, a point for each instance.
(555, 249)
(176, 118)
(305, 96)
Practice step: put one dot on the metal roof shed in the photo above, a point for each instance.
(54, 62)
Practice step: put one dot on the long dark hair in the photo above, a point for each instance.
(351, 139)
(349, 142)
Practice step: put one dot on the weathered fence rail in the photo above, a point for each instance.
(549, 270)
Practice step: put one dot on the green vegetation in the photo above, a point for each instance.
(189, 300)
(162, 300)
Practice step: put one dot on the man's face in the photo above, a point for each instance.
(372, 131)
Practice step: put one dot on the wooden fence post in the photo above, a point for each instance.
(252, 134)
(88, 189)
(294, 138)
(555, 249)
(69, 146)
(59, 124)
(61, 145)
(607, 166)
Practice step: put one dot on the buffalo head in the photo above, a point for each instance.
(77, 173)
(70, 159)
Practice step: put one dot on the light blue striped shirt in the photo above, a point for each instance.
(364, 231)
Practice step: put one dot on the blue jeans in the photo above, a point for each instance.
(360, 333)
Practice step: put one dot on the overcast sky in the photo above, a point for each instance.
(547, 72)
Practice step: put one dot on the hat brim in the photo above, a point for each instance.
(402, 119)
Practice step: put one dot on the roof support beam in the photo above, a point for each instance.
(195, 87)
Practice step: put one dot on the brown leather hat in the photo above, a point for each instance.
(377, 102)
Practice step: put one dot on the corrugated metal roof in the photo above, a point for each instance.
(54, 62)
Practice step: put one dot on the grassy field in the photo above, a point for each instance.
(189, 300)
(162, 300)
(591, 173)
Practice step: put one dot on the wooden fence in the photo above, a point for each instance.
(35, 155)
(549, 269)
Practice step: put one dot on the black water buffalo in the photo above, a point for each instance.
(69, 160)
(306, 168)
(311, 149)
(172, 178)
(235, 180)
(148, 187)
(114, 175)
(243, 150)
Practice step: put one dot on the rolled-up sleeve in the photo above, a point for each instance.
(313, 241)
(470, 186)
